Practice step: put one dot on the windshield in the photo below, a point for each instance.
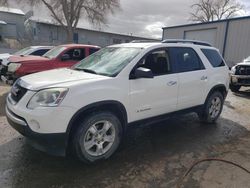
(25, 51)
(108, 61)
(54, 52)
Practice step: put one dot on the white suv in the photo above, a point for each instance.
(86, 109)
(240, 75)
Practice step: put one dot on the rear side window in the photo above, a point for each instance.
(39, 52)
(213, 57)
(185, 59)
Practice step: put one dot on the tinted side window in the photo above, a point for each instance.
(39, 52)
(157, 61)
(76, 54)
(93, 50)
(213, 57)
(185, 59)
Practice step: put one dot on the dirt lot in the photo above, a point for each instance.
(152, 156)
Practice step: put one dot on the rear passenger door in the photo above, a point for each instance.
(193, 78)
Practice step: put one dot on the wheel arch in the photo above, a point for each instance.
(221, 88)
(203, 111)
(112, 106)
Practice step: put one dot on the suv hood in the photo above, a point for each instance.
(55, 77)
(247, 63)
(26, 59)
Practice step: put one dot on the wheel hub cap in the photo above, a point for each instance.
(99, 138)
(215, 107)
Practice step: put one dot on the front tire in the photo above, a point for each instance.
(234, 88)
(97, 137)
(212, 108)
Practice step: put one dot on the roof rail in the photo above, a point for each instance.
(144, 41)
(196, 42)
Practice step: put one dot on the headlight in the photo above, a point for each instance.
(233, 70)
(12, 67)
(47, 98)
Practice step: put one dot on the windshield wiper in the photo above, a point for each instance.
(86, 70)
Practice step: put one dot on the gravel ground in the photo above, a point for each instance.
(152, 156)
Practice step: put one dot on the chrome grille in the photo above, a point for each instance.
(242, 70)
(17, 92)
(3, 69)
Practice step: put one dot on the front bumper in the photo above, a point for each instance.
(7, 80)
(240, 80)
(54, 144)
(6, 76)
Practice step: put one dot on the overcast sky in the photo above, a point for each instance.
(145, 17)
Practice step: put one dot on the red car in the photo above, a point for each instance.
(57, 57)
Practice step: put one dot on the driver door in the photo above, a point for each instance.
(71, 57)
(155, 96)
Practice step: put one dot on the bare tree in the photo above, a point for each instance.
(210, 10)
(4, 3)
(67, 13)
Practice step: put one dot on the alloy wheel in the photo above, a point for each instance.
(99, 138)
(215, 107)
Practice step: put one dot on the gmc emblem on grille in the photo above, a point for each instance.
(15, 90)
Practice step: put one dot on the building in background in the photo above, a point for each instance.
(12, 26)
(230, 36)
(18, 29)
(46, 33)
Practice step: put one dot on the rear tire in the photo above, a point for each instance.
(212, 109)
(97, 137)
(234, 88)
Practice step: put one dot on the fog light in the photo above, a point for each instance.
(234, 79)
(34, 125)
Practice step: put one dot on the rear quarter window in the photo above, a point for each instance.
(213, 57)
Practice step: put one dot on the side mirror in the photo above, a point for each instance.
(65, 57)
(143, 73)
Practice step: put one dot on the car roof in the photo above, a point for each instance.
(160, 44)
(79, 45)
(137, 45)
(41, 47)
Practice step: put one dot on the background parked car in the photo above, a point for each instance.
(32, 50)
(240, 75)
(58, 57)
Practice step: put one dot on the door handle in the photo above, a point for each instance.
(204, 78)
(172, 83)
